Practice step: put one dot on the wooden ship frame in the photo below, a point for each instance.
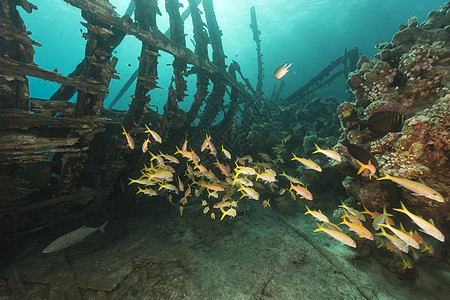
(61, 161)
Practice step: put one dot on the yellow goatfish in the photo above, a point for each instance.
(249, 192)
(154, 134)
(331, 154)
(231, 212)
(405, 237)
(226, 153)
(398, 243)
(129, 139)
(308, 163)
(426, 227)
(417, 188)
(341, 237)
(353, 211)
(282, 70)
(317, 214)
(360, 230)
(302, 191)
(145, 145)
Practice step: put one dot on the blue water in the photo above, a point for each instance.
(309, 33)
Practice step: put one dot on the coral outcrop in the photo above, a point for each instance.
(410, 75)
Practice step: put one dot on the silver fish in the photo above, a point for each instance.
(72, 237)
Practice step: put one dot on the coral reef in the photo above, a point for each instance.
(410, 75)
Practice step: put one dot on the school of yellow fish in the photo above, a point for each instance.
(249, 176)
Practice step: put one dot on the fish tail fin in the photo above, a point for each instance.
(318, 229)
(403, 209)
(124, 131)
(131, 180)
(385, 176)
(317, 148)
(383, 232)
(307, 210)
(102, 228)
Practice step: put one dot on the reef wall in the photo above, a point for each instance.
(411, 76)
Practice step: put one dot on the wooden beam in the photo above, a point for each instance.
(13, 67)
(105, 13)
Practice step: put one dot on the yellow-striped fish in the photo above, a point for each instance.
(427, 227)
(317, 214)
(341, 237)
(405, 237)
(308, 163)
(331, 154)
(417, 188)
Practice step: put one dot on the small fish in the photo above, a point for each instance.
(331, 226)
(204, 203)
(292, 179)
(428, 248)
(360, 154)
(341, 237)
(282, 70)
(206, 209)
(225, 204)
(231, 212)
(317, 214)
(129, 138)
(148, 191)
(169, 157)
(389, 246)
(308, 163)
(265, 156)
(181, 208)
(266, 203)
(427, 227)
(213, 216)
(353, 211)
(155, 136)
(249, 192)
(396, 241)
(226, 153)
(417, 188)
(298, 126)
(371, 168)
(384, 122)
(180, 184)
(407, 264)
(72, 237)
(331, 154)
(405, 237)
(352, 219)
(145, 145)
(360, 230)
(302, 191)
(184, 147)
(381, 219)
(266, 177)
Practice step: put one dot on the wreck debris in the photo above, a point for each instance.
(256, 38)
(215, 99)
(145, 15)
(319, 80)
(15, 45)
(201, 48)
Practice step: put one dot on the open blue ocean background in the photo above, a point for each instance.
(308, 33)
